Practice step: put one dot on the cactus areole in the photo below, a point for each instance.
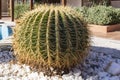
(51, 36)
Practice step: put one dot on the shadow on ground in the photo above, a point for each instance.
(6, 54)
(111, 51)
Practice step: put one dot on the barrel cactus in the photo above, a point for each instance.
(51, 36)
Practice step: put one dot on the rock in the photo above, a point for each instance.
(76, 72)
(105, 78)
(54, 78)
(113, 68)
(102, 75)
(41, 74)
(68, 77)
(33, 75)
(114, 78)
(60, 79)
(80, 78)
(92, 78)
(43, 78)
(118, 61)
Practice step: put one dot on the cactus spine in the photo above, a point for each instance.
(51, 36)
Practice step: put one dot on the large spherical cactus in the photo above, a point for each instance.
(51, 36)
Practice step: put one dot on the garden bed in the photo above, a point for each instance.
(104, 29)
(101, 15)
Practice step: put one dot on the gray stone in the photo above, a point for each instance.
(113, 68)
(114, 78)
(103, 74)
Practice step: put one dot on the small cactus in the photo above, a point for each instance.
(51, 36)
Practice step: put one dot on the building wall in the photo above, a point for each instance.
(115, 3)
(74, 3)
(77, 3)
(4, 5)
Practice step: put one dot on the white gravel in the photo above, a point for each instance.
(96, 67)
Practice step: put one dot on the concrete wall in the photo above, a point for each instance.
(74, 3)
(115, 4)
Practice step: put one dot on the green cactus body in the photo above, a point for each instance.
(51, 36)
